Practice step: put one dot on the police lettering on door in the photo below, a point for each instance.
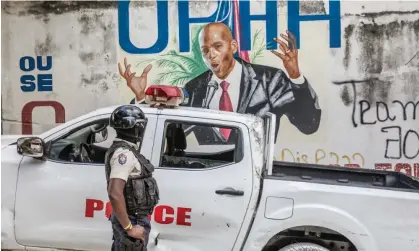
(163, 214)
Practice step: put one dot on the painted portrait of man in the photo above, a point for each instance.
(235, 85)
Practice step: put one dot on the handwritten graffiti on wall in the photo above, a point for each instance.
(31, 82)
(324, 157)
(223, 13)
(351, 160)
(402, 140)
(399, 142)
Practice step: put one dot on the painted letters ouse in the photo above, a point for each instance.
(359, 61)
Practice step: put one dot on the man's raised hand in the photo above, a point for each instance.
(136, 84)
(289, 54)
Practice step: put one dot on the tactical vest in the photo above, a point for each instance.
(141, 193)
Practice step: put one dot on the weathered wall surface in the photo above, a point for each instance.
(362, 61)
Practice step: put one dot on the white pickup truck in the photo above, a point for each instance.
(215, 194)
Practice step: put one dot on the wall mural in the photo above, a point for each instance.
(342, 78)
(220, 74)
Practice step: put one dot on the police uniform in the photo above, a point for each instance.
(123, 161)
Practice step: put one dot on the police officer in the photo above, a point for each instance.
(132, 190)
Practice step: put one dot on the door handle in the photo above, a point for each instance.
(230, 191)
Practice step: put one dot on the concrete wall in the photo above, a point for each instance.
(362, 62)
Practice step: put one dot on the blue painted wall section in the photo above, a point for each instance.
(295, 19)
(162, 26)
(41, 82)
(271, 24)
(185, 21)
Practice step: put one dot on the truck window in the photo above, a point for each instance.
(182, 149)
(80, 145)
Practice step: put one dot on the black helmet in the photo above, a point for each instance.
(129, 122)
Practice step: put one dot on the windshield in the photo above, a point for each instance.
(79, 133)
(69, 123)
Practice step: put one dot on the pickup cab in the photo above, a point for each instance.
(216, 193)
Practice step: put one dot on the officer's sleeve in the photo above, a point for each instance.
(122, 164)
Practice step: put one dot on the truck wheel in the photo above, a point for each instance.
(303, 247)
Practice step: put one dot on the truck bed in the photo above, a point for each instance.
(344, 176)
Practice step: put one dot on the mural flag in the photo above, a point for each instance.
(229, 14)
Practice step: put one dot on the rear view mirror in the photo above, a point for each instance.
(101, 136)
(31, 147)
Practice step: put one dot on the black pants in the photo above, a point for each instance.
(122, 241)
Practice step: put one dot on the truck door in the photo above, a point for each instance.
(205, 183)
(51, 195)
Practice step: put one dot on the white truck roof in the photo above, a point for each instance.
(177, 111)
(186, 111)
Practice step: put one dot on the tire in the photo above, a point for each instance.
(303, 247)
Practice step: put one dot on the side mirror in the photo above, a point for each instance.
(31, 147)
(101, 136)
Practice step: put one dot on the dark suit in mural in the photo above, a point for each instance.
(232, 84)
(266, 89)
